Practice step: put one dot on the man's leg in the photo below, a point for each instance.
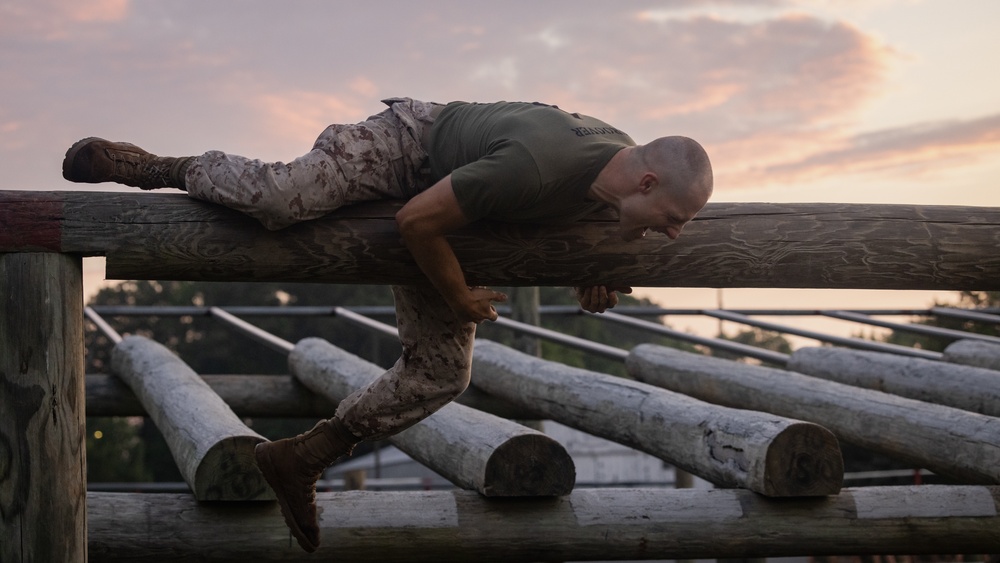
(381, 158)
(378, 159)
(434, 368)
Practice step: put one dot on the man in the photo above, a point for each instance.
(454, 164)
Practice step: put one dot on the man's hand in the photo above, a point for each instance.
(476, 305)
(599, 298)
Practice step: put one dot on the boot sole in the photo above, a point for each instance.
(265, 466)
(67, 165)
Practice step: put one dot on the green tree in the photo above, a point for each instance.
(966, 300)
(757, 337)
(115, 450)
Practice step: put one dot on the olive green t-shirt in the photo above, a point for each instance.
(521, 162)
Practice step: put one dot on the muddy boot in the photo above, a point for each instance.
(292, 466)
(95, 160)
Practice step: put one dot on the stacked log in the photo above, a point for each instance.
(589, 524)
(472, 449)
(212, 447)
(768, 454)
(974, 353)
(963, 387)
(955, 443)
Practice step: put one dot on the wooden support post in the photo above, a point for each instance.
(261, 396)
(472, 449)
(732, 448)
(948, 441)
(963, 387)
(43, 470)
(589, 524)
(212, 448)
(974, 353)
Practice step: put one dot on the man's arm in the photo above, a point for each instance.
(423, 223)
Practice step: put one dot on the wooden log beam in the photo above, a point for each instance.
(974, 353)
(43, 470)
(963, 387)
(958, 444)
(262, 396)
(170, 236)
(589, 524)
(213, 449)
(767, 454)
(472, 449)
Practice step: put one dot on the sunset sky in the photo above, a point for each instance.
(879, 101)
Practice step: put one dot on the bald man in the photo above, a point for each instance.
(453, 164)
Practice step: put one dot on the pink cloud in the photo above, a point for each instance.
(302, 115)
(58, 19)
(917, 149)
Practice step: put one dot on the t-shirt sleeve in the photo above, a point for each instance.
(497, 185)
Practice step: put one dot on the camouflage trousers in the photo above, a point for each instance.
(384, 157)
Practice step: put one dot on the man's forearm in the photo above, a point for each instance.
(438, 262)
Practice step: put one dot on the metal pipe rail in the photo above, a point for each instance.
(924, 330)
(849, 342)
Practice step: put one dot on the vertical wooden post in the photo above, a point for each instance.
(524, 303)
(43, 471)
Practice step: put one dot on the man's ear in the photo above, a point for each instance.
(648, 182)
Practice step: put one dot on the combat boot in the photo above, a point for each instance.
(93, 160)
(293, 465)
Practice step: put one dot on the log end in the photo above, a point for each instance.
(531, 464)
(803, 460)
(229, 472)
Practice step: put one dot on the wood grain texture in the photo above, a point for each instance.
(170, 236)
(963, 387)
(472, 449)
(589, 524)
(43, 473)
(212, 447)
(958, 444)
(765, 453)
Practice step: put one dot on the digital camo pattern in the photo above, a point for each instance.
(434, 368)
(380, 158)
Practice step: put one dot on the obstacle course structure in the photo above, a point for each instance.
(520, 505)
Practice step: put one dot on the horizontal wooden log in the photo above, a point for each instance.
(767, 454)
(472, 449)
(963, 387)
(589, 524)
(263, 396)
(213, 449)
(958, 444)
(974, 353)
(170, 236)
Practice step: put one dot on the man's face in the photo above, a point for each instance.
(658, 209)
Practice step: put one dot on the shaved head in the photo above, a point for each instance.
(681, 163)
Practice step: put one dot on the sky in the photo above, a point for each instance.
(877, 101)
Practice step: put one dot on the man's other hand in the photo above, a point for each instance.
(477, 305)
(599, 298)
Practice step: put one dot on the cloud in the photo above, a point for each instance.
(918, 149)
(57, 19)
(775, 91)
(300, 115)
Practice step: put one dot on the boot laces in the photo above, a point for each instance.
(141, 169)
